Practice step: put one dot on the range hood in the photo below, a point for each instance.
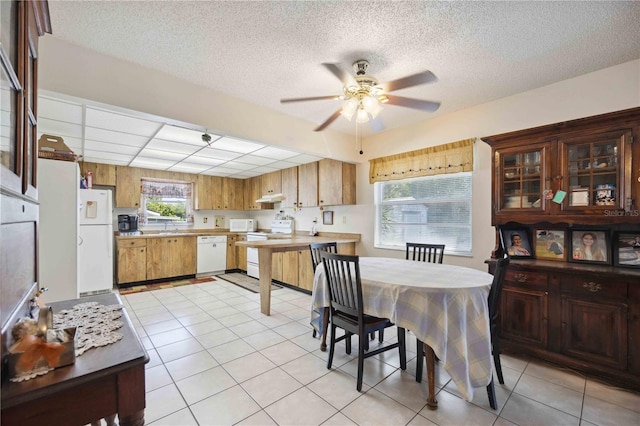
(270, 198)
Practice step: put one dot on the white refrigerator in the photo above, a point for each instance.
(58, 194)
(95, 242)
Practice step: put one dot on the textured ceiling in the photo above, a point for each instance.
(265, 51)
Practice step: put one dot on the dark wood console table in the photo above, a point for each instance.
(103, 382)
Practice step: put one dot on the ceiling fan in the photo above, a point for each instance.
(363, 95)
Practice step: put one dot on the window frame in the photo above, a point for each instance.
(379, 204)
(189, 204)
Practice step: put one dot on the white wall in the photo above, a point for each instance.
(79, 72)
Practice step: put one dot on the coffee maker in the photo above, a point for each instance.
(127, 223)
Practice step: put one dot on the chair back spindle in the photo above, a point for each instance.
(421, 252)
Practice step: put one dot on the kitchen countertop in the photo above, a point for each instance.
(298, 241)
(193, 233)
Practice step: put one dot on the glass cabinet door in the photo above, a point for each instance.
(593, 167)
(521, 180)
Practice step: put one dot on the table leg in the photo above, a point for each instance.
(432, 404)
(325, 325)
(264, 259)
(135, 419)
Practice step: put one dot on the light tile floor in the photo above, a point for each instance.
(216, 360)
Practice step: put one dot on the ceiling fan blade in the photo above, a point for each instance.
(328, 121)
(312, 98)
(346, 78)
(376, 124)
(408, 81)
(413, 103)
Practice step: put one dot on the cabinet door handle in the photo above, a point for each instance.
(592, 287)
(521, 278)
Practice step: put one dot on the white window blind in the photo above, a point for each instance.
(432, 209)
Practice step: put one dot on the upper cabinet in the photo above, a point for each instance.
(208, 193)
(232, 194)
(103, 174)
(272, 183)
(290, 187)
(128, 186)
(336, 183)
(308, 185)
(581, 171)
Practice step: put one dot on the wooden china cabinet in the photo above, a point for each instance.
(576, 175)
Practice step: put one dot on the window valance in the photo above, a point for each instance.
(448, 158)
(169, 189)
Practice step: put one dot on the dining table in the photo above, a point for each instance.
(445, 306)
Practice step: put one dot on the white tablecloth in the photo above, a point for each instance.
(445, 306)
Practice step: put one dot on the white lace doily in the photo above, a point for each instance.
(94, 324)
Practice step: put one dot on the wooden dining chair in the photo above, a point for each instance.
(493, 303)
(347, 312)
(433, 253)
(422, 252)
(315, 257)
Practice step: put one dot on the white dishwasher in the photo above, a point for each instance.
(212, 255)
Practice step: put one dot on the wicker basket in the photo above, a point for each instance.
(54, 148)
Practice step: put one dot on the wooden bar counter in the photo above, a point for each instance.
(266, 248)
(102, 382)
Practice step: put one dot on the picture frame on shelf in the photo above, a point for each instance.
(550, 244)
(626, 249)
(590, 246)
(516, 242)
(327, 218)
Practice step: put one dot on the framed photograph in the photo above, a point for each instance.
(550, 244)
(589, 246)
(515, 241)
(626, 249)
(327, 218)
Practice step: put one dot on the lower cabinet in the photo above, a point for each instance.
(584, 317)
(241, 253)
(132, 260)
(232, 257)
(171, 257)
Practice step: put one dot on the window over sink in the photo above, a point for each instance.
(431, 209)
(166, 202)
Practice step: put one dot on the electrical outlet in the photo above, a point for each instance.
(344, 220)
(205, 219)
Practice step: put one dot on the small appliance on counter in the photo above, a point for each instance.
(128, 224)
(282, 226)
(242, 225)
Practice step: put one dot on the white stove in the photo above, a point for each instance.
(279, 227)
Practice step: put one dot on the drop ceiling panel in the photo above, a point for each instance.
(59, 110)
(253, 160)
(189, 168)
(282, 164)
(110, 147)
(303, 159)
(263, 169)
(247, 174)
(236, 145)
(59, 128)
(238, 166)
(196, 159)
(164, 155)
(106, 157)
(120, 122)
(116, 137)
(275, 153)
(218, 153)
(182, 135)
(152, 163)
(223, 171)
(162, 145)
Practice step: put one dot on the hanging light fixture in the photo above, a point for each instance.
(362, 100)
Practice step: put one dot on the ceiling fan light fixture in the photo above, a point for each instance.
(362, 116)
(371, 106)
(349, 107)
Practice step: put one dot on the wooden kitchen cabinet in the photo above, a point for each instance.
(276, 266)
(171, 257)
(336, 183)
(232, 194)
(241, 253)
(132, 260)
(308, 185)
(271, 183)
(128, 186)
(232, 256)
(578, 314)
(305, 270)
(208, 193)
(103, 174)
(290, 187)
(290, 267)
(252, 188)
